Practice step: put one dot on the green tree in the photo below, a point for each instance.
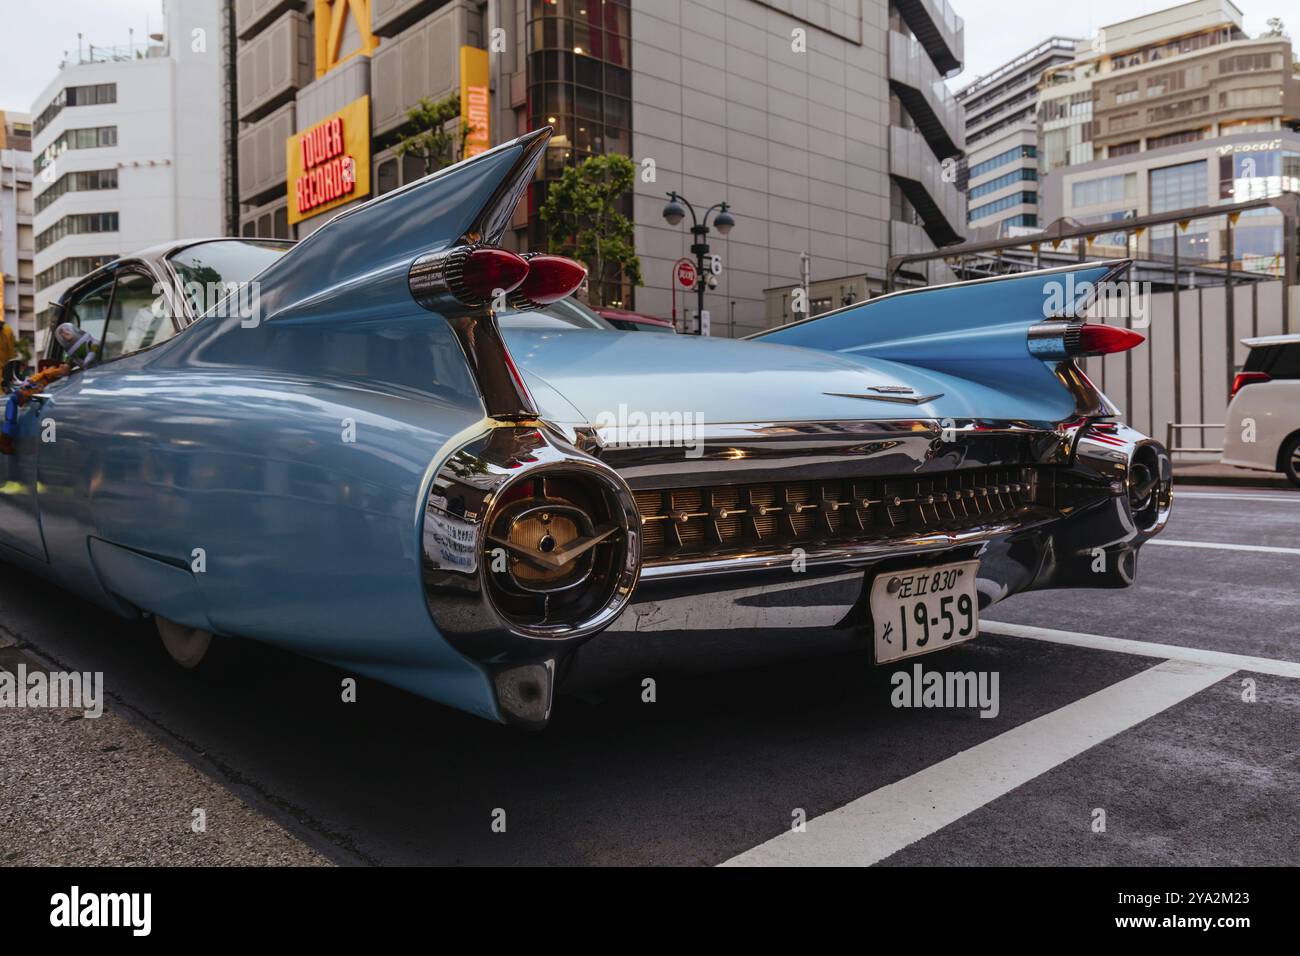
(1276, 28)
(428, 137)
(583, 221)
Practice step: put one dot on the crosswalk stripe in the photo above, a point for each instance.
(1123, 645)
(887, 820)
(1223, 546)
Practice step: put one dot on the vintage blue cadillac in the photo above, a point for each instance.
(390, 463)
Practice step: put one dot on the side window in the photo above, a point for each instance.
(90, 309)
(139, 317)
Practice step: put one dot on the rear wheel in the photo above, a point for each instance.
(1290, 459)
(187, 646)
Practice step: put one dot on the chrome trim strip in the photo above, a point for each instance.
(862, 553)
(900, 399)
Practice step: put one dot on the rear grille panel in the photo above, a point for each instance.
(712, 520)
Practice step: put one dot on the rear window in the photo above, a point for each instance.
(210, 271)
(1279, 361)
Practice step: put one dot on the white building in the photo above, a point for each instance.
(1002, 141)
(127, 148)
(16, 273)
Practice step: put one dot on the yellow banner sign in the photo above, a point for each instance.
(329, 163)
(475, 100)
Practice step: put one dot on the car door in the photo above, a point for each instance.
(20, 520)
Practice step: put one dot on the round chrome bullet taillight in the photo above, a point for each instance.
(527, 539)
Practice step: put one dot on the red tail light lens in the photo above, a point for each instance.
(1104, 339)
(488, 272)
(1243, 379)
(550, 279)
(465, 276)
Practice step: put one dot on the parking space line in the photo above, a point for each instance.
(885, 821)
(1174, 652)
(1292, 499)
(1223, 546)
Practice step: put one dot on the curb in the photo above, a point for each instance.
(1245, 480)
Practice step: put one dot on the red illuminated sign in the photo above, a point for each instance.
(328, 173)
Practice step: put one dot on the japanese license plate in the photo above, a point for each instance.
(919, 610)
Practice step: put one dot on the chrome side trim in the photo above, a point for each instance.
(735, 453)
(900, 399)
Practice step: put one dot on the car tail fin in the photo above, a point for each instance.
(356, 266)
(1009, 332)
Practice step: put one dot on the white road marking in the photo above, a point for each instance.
(1223, 546)
(1173, 652)
(895, 816)
(1293, 499)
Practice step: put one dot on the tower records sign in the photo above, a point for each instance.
(329, 163)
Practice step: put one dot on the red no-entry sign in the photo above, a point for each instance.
(685, 273)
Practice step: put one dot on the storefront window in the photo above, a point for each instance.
(579, 83)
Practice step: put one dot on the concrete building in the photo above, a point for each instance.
(1185, 74)
(824, 123)
(1000, 170)
(124, 145)
(1171, 111)
(1226, 169)
(17, 286)
(834, 146)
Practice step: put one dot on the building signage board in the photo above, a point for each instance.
(475, 98)
(329, 162)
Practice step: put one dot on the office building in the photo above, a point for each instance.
(124, 148)
(1000, 169)
(1170, 111)
(826, 125)
(17, 287)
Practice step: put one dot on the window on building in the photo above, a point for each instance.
(93, 95)
(1177, 110)
(579, 83)
(1025, 197)
(1175, 139)
(1124, 149)
(1250, 63)
(77, 182)
(1104, 189)
(1024, 174)
(71, 268)
(1001, 159)
(1179, 187)
(75, 225)
(1249, 99)
(89, 138)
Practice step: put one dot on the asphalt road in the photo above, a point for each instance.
(1187, 757)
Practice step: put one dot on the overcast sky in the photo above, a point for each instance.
(32, 45)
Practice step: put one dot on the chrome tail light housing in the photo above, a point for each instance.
(529, 545)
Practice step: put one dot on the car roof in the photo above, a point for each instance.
(1292, 338)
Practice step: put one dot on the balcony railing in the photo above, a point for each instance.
(922, 178)
(926, 96)
(937, 27)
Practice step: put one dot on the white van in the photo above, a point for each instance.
(1263, 425)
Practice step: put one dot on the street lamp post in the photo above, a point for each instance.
(674, 213)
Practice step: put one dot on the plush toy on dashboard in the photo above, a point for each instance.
(79, 349)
